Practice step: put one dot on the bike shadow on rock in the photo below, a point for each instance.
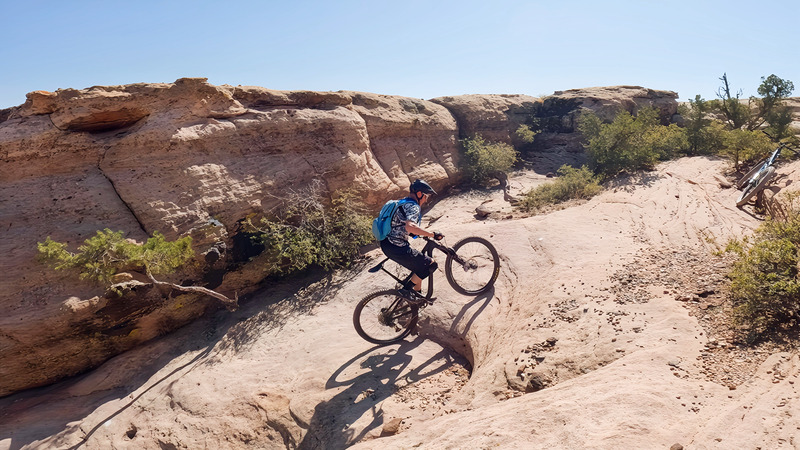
(381, 368)
(482, 301)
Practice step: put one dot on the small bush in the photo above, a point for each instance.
(525, 134)
(745, 147)
(702, 137)
(629, 143)
(107, 253)
(765, 287)
(484, 161)
(666, 141)
(312, 231)
(572, 183)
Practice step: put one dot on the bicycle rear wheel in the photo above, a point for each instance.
(474, 267)
(754, 188)
(384, 317)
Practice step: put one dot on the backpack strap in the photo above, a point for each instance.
(408, 200)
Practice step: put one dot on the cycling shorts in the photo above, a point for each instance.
(408, 257)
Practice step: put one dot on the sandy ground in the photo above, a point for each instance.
(612, 305)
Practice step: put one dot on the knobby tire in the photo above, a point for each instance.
(475, 268)
(385, 317)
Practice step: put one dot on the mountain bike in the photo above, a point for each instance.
(757, 178)
(388, 316)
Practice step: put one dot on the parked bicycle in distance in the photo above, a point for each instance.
(759, 176)
(389, 315)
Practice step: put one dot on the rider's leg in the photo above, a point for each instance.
(419, 264)
(417, 280)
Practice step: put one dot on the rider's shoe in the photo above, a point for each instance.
(414, 297)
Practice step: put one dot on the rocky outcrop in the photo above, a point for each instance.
(559, 143)
(410, 138)
(607, 102)
(191, 158)
(494, 117)
(497, 117)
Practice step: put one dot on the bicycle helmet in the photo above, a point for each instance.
(421, 186)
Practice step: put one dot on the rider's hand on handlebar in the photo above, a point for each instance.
(438, 236)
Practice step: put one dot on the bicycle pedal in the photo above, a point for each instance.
(412, 297)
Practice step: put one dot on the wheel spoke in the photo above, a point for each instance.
(383, 317)
(474, 267)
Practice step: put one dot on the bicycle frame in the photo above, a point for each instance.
(774, 156)
(430, 245)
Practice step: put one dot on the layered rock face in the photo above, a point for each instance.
(497, 117)
(494, 117)
(190, 158)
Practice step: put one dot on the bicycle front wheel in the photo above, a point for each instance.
(754, 188)
(474, 267)
(384, 317)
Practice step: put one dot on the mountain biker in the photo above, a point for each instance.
(404, 222)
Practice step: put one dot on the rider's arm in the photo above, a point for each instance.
(413, 228)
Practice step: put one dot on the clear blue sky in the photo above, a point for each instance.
(415, 48)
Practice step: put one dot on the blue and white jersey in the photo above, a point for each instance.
(408, 209)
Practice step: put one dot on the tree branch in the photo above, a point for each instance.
(231, 305)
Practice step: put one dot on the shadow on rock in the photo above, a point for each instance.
(330, 426)
(56, 414)
(272, 306)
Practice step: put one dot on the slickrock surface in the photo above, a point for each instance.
(599, 333)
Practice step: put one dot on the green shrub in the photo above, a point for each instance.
(484, 161)
(108, 253)
(572, 183)
(757, 112)
(312, 231)
(525, 134)
(764, 281)
(666, 141)
(745, 147)
(629, 143)
(703, 135)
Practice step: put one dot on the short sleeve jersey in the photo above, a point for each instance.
(407, 210)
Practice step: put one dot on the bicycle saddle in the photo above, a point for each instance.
(378, 267)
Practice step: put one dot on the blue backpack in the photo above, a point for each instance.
(382, 224)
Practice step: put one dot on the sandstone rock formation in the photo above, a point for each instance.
(190, 158)
(182, 158)
(495, 117)
(606, 102)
